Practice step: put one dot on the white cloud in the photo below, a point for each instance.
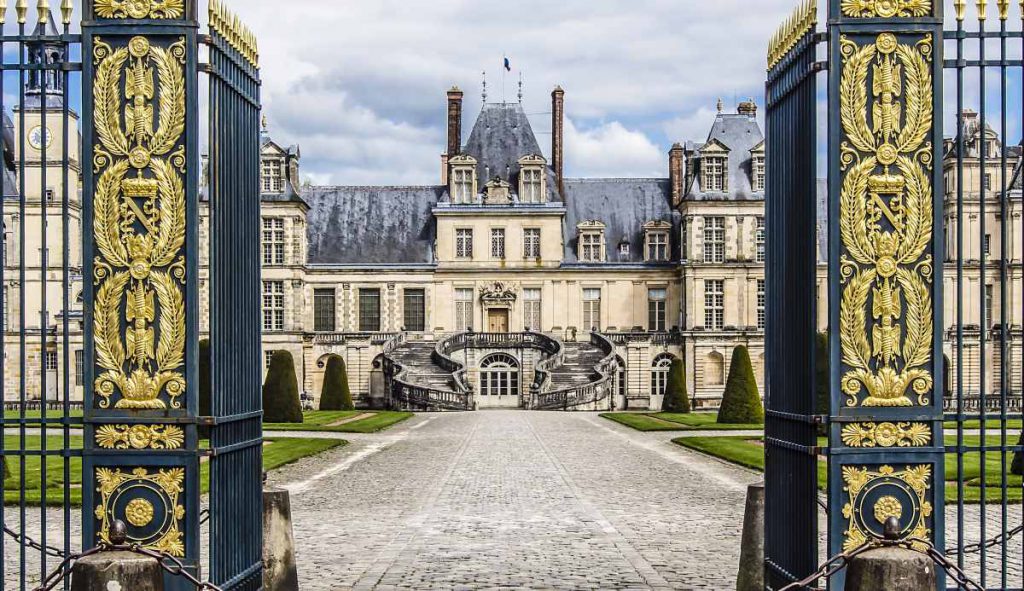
(612, 150)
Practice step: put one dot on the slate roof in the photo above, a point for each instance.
(739, 133)
(624, 206)
(10, 187)
(371, 225)
(501, 136)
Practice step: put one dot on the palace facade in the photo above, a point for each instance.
(506, 283)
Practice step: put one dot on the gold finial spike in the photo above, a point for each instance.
(982, 9)
(43, 8)
(3, 11)
(21, 7)
(67, 8)
(961, 9)
(1004, 9)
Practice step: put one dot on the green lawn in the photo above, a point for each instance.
(319, 420)
(276, 453)
(667, 421)
(749, 452)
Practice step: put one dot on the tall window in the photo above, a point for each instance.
(464, 243)
(590, 247)
(498, 243)
(714, 173)
(50, 359)
(531, 243)
(369, 310)
(273, 241)
(463, 183)
(532, 186)
(324, 310)
(79, 368)
(267, 356)
(273, 306)
(414, 310)
(714, 240)
(760, 304)
(714, 304)
(987, 245)
(272, 179)
(463, 309)
(759, 239)
(988, 305)
(531, 309)
(758, 180)
(659, 374)
(7, 309)
(656, 300)
(988, 181)
(591, 309)
(657, 246)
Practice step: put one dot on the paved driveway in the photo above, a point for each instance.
(518, 500)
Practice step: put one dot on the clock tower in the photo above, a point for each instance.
(42, 157)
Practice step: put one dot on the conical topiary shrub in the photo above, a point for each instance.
(281, 391)
(741, 403)
(1018, 459)
(205, 386)
(676, 398)
(335, 394)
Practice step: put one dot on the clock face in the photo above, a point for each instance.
(35, 137)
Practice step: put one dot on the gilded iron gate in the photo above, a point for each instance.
(924, 285)
(104, 272)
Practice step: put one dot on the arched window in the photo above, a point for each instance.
(620, 380)
(499, 375)
(714, 369)
(659, 373)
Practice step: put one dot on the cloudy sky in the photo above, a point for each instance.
(361, 85)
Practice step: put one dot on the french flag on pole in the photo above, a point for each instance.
(508, 64)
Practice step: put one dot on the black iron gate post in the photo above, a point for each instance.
(885, 271)
(140, 140)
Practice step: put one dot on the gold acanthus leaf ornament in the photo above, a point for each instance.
(139, 224)
(140, 436)
(885, 223)
(886, 434)
(156, 9)
(886, 8)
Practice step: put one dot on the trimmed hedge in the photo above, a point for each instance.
(335, 394)
(676, 399)
(205, 386)
(741, 402)
(281, 391)
(823, 401)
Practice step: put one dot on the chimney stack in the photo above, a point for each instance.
(454, 131)
(557, 136)
(748, 108)
(675, 172)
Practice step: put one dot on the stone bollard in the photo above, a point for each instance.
(751, 573)
(279, 572)
(117, 571)
(891, 569)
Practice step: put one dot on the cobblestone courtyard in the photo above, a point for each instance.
(519, 500)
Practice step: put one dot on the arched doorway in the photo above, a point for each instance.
(500, 383)
(621, 393)
(659, 378)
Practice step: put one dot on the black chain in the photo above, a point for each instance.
(840, 561)
(977, 546)
(170, 564)
(204, 516)
(27, 542)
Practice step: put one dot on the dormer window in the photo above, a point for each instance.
(591, 242)
(713, 172)
(656, 236)
(757, 175)
(463, 179)
(273, 179)
(531, 179)
(624, 250)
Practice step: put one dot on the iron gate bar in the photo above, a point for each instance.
(791, 510)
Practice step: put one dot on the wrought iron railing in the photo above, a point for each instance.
(340, 338)
(595, 391)
(654, 338)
